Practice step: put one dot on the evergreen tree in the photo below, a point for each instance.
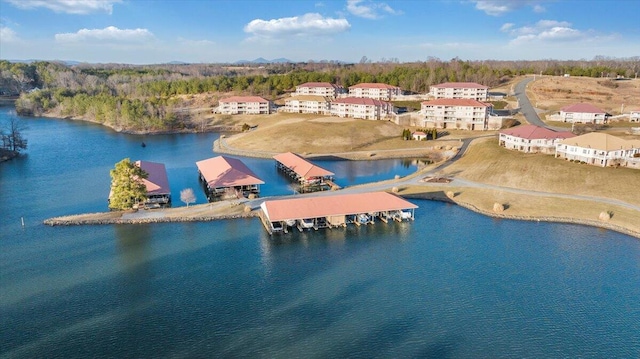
(127, 187)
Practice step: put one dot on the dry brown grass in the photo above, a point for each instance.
(552, 93)
(486, 162)
(312, 134)
(520, 205)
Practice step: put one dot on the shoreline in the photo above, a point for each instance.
(102, 218)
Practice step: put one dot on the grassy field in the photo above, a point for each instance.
(554, 92)
(528, 206)
(486, 162)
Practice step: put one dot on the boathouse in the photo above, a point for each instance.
(310, 176)
(157, 183)
(225, 177)
(334, 211)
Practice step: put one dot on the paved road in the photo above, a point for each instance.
(525, 105)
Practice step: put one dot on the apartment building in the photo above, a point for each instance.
(307, 104)
(462, 114)
(583, 113)
(358, 107)
(251, 105)
(324, 89)
(376, 91)
(459, 90)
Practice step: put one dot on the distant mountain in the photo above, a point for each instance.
(262, 60)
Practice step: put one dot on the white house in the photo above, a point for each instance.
(324, 89)
(634, 115)
(462, 114)
(307, 104)
(365, 108)
(252, 105)
(532, 139)
(419, 136)
(600, 149)
(376, 91)
(468, 90)
(583, 113)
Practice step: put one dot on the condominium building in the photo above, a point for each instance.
(459, 90)
(600, 149)
(324, 89)
(307, 104)
(376, 91)
(251, 105)
(583, 113)
(532, 139)
(365, 108)
(462, 114)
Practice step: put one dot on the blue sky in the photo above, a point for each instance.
(145, 32)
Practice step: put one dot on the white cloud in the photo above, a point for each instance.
(543, 31)
(369, 9)
(7, 35)
(79, 7)
(501, 7)
(109, 34)
(307, 24)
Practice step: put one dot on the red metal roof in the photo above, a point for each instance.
(455, 102)
(333, 205)
(361, 101)
(461, 85)
(157, 181)
(371, 85)
(582, 108)
(532, 132)
(244, 99)
(300, 166)
(224, 171)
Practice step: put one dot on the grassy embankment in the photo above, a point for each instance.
(487, 163)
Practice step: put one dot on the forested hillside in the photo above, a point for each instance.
(147, 98)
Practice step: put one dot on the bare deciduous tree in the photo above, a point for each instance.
(187, 196)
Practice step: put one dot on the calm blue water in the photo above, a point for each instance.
(451, 284)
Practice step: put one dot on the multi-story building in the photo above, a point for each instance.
(462, 114)
(251, 105)
(324, 89)
(365, 108)
(532, 139)
(600, 149)
(307, 104)
(375, 91)
(583, 113)
(464, 90)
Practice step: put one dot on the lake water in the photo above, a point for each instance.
(452, 284)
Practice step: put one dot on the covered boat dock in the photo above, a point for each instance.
(308, 175)
(280, 216)
(224, 177)
(157, 184)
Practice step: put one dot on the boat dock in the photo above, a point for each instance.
(310, 177)
(282, 216)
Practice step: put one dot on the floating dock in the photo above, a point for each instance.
(226, 177)
(281, 216)
(310, 177)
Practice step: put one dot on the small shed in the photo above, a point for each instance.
(419, 136)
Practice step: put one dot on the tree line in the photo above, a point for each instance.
(147, 97)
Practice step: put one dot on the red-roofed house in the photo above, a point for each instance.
(157, 183)
(250, 105)
(225, 176)
(583, 113)
(375, 91)
(462, 114)
(634, 115)
(469, 90)
(325, 89)
(532, 139)
(365, 108)
(419, 136)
